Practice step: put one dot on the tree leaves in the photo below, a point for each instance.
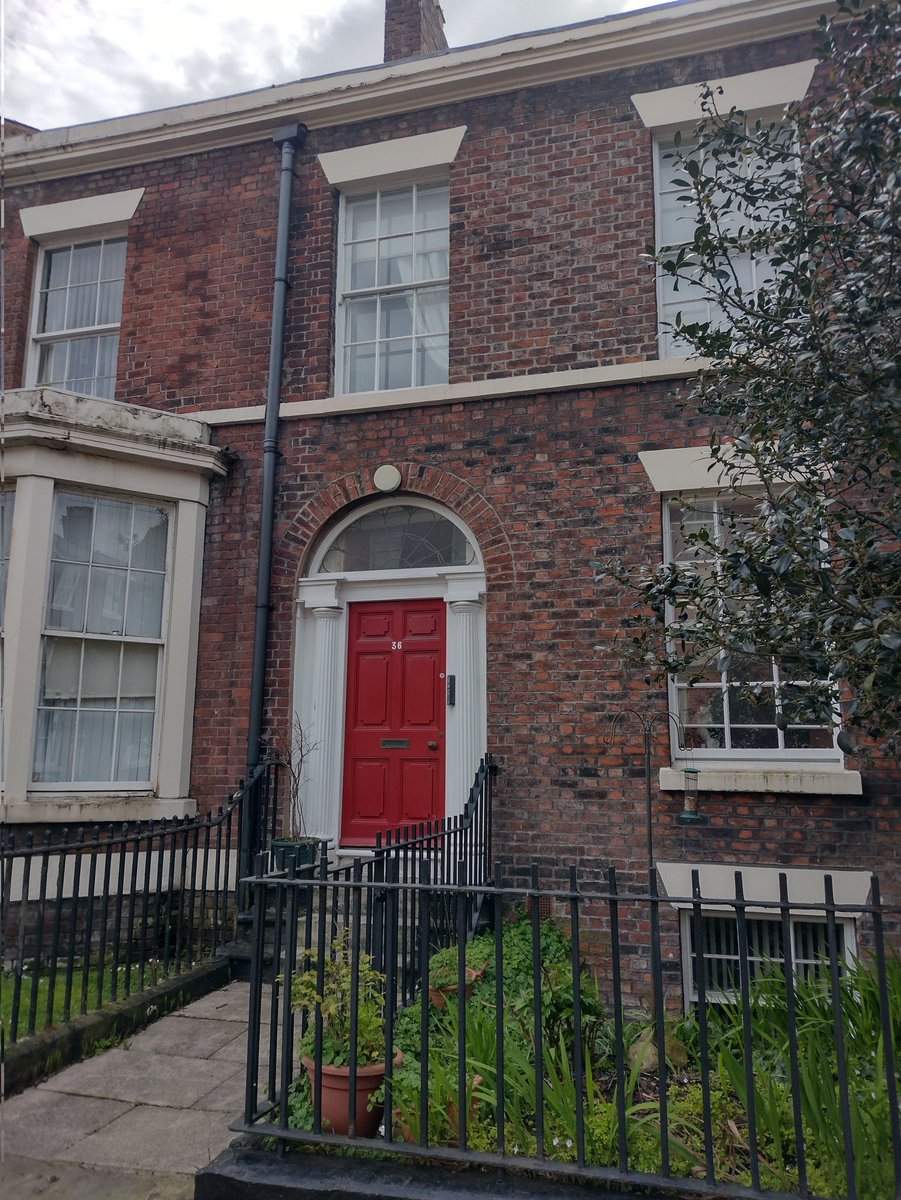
(804, 386)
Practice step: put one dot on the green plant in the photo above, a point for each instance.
(444, 964)
(327, 988)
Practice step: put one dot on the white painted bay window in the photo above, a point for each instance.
(102, 644)
(393, 302)
(101, 614)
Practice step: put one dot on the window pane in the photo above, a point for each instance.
(396, 212)
(135, 746)
(61, 671)
(431, 255)
(360, 218)
(82, 360)
(432, 207)
(109, 305)
(431, 311)
(85, 263)
(94, 746)
(395, 261)
(73, 527)
(150, 535)
(399, 537)
(100, 674)
(54, 745)
(112, 533)
(139, 671)
(361, 320)
(66, 602)
(359, 370)
(106, 600)
(82, 310)
(396, 364)
(52, 363)
(145, 604)
(112, 262)
(107, 353)
(431, 361)
(56, 268)
(53, 312)
(361, 266)
(396, 316)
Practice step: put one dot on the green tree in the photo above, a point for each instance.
(801, 388)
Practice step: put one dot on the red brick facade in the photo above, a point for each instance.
(551, 209)
(413, 27)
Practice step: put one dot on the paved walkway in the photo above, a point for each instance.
(137, 1121)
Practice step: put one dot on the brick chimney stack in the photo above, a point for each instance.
(413, 27)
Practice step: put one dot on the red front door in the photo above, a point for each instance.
(394, 745)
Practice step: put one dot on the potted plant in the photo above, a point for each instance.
(295, 844)
(333, 1065)
(444, 975)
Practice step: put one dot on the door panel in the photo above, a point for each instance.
(394, 747)
(372, 696)
(420, 786)
(420, 677)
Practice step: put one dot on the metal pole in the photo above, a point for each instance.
(289, 138)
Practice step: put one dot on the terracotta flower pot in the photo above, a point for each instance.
(439, 995)
(336, 1096)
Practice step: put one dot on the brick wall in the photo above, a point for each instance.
(413, 27)
(551, 200)
(551, 208)
(551, 486)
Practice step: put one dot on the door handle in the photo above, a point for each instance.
(432, 745)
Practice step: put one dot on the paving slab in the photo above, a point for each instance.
(227, 1098)
(191, 1036)
(139, 1077)
(152, 1138)
(27, 1179)
(227, 1004)
(39, 1124)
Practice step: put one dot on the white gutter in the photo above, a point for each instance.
(647, 36)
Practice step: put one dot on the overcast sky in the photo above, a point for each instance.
(69, 61)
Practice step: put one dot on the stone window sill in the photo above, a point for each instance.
(767, 777)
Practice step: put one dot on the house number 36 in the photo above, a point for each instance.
(397, 645)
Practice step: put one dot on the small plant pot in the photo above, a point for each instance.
(452, 1117)
(336, 1096)
(439, 995)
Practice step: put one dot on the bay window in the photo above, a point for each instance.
(102, 607)
(103, 637)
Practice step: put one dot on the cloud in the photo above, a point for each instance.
(70, 61)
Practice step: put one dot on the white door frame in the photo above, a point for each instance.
(320, 673)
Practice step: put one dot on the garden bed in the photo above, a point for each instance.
(470, 1081)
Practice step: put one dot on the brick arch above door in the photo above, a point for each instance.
(303, 533)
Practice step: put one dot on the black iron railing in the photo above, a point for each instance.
(633, 1038)
(454, 850)
(91, 919)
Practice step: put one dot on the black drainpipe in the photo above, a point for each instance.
(289, 138)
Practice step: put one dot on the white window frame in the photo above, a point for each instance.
(114, 785)
(38, 339)
(145, 457)
(846, 951)
(695, 755)
(343, 295)
(761, 884)
(103, 217)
